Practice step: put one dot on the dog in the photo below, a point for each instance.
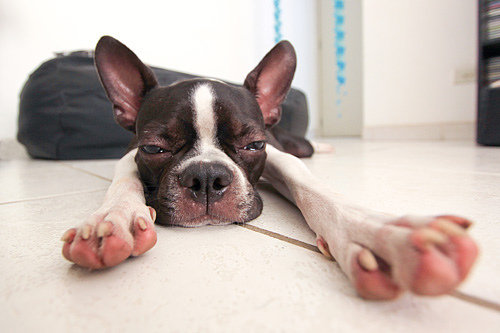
(201, 145)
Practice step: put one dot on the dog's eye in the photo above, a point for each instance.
(150, 149)
(256, 145)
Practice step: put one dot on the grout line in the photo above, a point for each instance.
(85, 171)
(475, 300)
(293, 241)
(456, 294)
(53, 196)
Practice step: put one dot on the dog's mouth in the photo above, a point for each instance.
(187, 213)
(202, 221)
(205, 193)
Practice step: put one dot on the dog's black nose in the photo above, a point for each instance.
(206, 181)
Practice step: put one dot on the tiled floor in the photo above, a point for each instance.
(266, 277)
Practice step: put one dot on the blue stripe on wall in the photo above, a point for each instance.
(277, 22)
(340, 48)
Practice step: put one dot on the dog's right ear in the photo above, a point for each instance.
(124, 77)
(271, 80)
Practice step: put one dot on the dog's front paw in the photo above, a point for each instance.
(427, 256)
(110, 236)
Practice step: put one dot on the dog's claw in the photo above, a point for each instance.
(142, 223)
(85, 232)
(449, 228)
(367, 260)
(425, 238)
(152, 212)
(68, 236)
(462, 222)
(104, 229)
(323, 247)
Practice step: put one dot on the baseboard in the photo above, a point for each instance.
(445, 131)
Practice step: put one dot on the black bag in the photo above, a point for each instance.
(64, 113)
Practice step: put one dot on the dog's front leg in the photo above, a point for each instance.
(381, 254)
(121, 227)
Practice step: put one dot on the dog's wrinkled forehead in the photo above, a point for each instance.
(210, 111)
(223, 110)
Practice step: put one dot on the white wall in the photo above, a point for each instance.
(341, 110)
(411, 50)
(299, 26)
(218, 38)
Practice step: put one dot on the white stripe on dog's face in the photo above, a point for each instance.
(207, 148)
(205, 120)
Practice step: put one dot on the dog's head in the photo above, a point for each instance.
(201, 142)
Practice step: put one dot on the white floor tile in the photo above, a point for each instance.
(438, 155)
(101, 168)
(281, 216)
(230, 278)
(28, 179)
(429, 178)
(392, 185)
(212, 279)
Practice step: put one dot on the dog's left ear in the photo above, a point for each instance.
(271, 80)
(124, 77)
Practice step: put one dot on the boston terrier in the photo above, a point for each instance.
(200, 147)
